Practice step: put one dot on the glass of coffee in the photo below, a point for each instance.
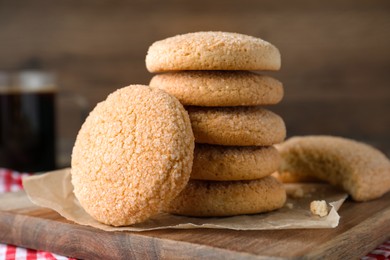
(27, 121)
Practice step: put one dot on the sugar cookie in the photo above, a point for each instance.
(220, 88)
(132, 156)
(236, 126)
(361, 170)
(212, 51)
(217, 199)
(229, 163)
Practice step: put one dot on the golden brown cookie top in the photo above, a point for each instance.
(132, 156)
(212, 51)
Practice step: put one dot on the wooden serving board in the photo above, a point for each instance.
(362, 227)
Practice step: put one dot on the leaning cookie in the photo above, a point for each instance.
(212, 51)
(361, 170)
(219, 199)
(236, 126)
(229, 163)
(220, 88)
(132, 155)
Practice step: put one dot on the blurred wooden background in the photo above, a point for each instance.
(335, 54)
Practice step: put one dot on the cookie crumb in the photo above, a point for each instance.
(319, 207)
(290, 205)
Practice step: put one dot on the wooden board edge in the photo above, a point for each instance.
(87, 242)
(372, 231)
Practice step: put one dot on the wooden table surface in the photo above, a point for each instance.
(362, 227)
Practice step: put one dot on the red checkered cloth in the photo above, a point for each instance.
(382, 252)
(12, 181)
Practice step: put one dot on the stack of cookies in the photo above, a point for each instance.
(211, 73)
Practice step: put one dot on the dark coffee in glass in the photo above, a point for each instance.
(27, 125)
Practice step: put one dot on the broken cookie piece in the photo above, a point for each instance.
(319, 208)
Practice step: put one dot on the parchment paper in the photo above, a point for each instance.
(54, 190)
